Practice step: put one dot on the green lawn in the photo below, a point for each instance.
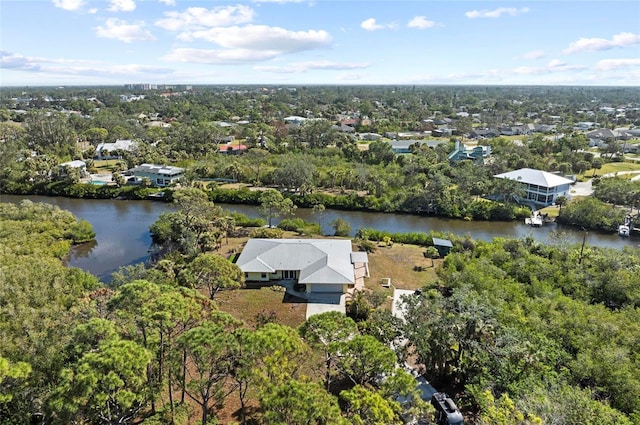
(613, 167)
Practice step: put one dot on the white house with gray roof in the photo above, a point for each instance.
(542, 188)
(106, 150)
(321, 265)
(160, 175)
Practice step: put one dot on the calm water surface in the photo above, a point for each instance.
(122, 228)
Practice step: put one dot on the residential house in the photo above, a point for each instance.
(232, 149)
(294, 120)
(343, 128)
(110, 150)
(404, 146)
(443, 132)
(584, 125)
(81, 165)
(606, 134)
(486, 133)
(462, 152)
(545, 128)
(517, 130)
(542, 188)
(369, 136)
(317, 265)
(159, 175)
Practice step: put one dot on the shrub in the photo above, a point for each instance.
(266, 233)
(301, 226)
(243, 220)
(341, 227)
(367, 245)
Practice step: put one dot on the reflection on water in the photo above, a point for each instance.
(122, 229)
(82, 250)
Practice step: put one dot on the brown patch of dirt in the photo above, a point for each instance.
(397, 263)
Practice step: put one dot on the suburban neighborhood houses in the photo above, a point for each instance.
(263, 295)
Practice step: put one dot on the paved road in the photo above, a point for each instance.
(585, 188)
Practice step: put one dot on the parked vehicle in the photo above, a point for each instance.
(447, 413)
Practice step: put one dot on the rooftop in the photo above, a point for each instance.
(319, 260)
(536, 177)
(158, 169)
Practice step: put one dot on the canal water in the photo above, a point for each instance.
(122, 228)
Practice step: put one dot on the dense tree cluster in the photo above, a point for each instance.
(553, 330)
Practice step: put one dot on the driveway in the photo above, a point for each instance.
(581, 189)
(321, 303)
(397, 308)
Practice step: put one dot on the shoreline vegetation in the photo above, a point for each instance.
(582, 213)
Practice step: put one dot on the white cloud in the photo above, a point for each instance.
(350, 76)
(534, 54)
(278, 1)
(122, 30)
(371, 25)
(92, 11)
(612, 64)
(554, 66)
(261, 37)
(496, 13)
(68, 4)
(421, 22)
(122, 6)
(218, 57)
(624, 39)
(299, 67)
(196, 18)
(74, 67)
(168, 2)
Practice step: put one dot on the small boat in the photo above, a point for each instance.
(534, 221)
(624, 230)
(156, 196)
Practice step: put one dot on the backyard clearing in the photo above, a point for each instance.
(268, 302)
(397, 263)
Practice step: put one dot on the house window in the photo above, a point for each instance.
(159, 181)
(263, 276)
(288, 274)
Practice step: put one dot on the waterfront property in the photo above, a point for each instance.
(317, 265)
(160, 175)
(542, 188)
(80, 165)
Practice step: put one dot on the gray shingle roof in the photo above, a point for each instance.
(318, 260)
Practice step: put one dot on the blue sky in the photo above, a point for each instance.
(86, 42)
